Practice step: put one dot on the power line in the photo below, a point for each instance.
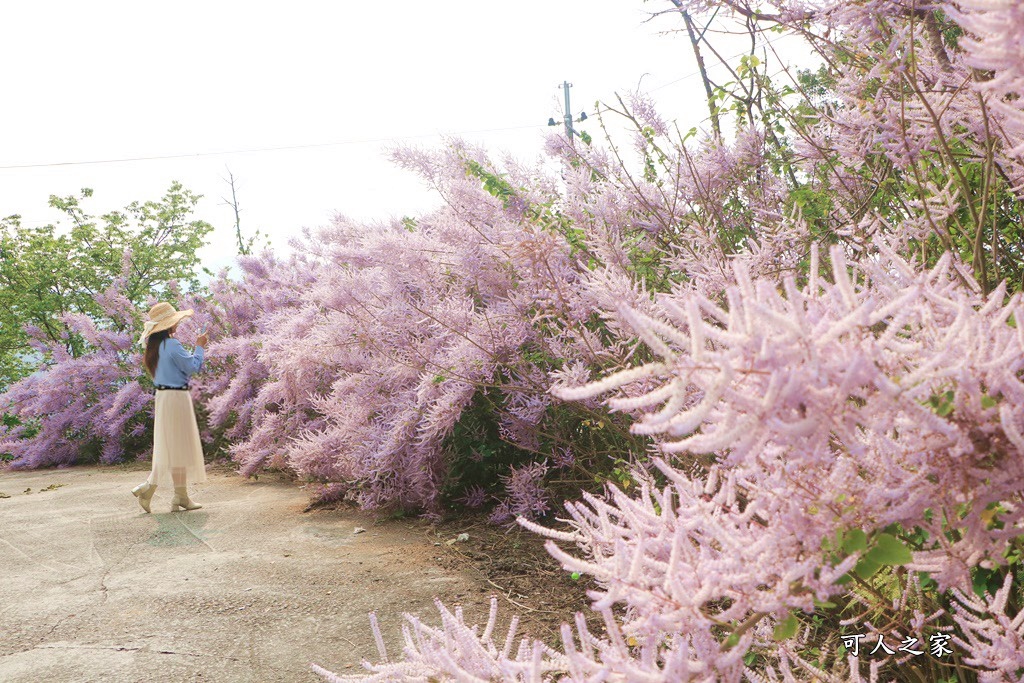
(193, 155)
(770, 41)
(261, 149)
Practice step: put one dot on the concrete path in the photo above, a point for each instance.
(249, 588)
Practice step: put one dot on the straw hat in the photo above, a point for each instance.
(162, 317)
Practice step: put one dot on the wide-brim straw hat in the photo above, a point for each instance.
(162, 317)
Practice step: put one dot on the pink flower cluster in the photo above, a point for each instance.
(76, 403)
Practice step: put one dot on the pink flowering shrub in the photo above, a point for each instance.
(94, 405)
(247, 409)
(408, 362)
(800, 425)
(992, 46)
(837, 431)
(793, 425)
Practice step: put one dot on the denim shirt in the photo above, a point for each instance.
(176, 364)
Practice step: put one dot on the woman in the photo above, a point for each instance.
(177, 452)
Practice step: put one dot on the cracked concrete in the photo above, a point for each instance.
(247, 589)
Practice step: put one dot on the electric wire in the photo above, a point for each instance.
(249, 150)
(315, 145)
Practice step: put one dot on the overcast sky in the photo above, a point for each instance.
(110, 80)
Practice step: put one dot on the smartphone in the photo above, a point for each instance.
(203, 330)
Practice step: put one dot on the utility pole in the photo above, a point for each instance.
(568, 113)
(568, 110)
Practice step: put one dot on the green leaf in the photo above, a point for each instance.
(855, 541)
(889, 550)
(980, 581)
(866, 567)
(988, 402)
(786, 628)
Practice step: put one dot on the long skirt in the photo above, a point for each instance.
(177, 451)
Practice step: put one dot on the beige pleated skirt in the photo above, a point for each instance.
(177, 451)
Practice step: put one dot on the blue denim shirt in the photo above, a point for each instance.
(176, 364)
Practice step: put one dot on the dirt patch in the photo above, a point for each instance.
(515, 564)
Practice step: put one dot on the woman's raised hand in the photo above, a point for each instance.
(202, 340)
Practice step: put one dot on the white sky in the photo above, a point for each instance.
(106, 79)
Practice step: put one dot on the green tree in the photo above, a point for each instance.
(49, 271)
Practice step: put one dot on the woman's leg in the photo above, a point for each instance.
(180, 499)
(144, 491)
